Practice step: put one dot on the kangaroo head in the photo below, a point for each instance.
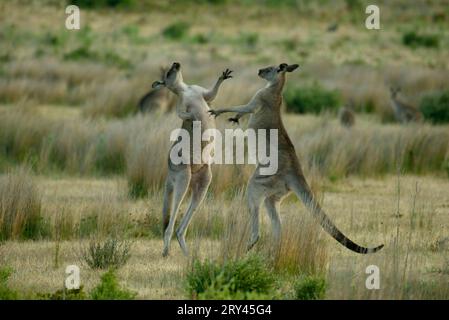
(273, 73)
(171, 79)
(394, 91)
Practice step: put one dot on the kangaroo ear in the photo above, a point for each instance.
(157, 84)
(282, 67)
(292, 67)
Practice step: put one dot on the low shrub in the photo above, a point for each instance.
(245, 278)
(435, 107)
(81, 53)
(97, 4)
(309, 288)
(414, 39)
(176, 31)
(5, 292)
(64, 294)
(311, 99)
(112, 253)
(109, 289)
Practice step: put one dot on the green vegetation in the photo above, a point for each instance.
(435, 107)
(5, 292)
(137, 187)
(247, 278)
(414, 39)
(97, 4)
(309, 288)
(311, 99)
(176, 31)
(106, 57)
(109, 289)
(64, 294)
(112, 253)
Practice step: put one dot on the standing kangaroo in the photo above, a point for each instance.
(264, 108)
(192, 106)
(157, 99)
(403, 112)
(346, 115)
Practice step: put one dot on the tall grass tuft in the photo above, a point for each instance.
(303, 249)
(20, 207)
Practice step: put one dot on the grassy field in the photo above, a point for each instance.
(79, 165)
(412, 224)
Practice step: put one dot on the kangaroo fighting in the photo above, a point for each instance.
(192, 106)
(265, 110)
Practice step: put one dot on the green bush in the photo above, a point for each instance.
(413, 39)
(310, 288)
(108, 58)
(81, 53)
(435, 107)
(311, 99)
(64, 294)
(109, 289)
(5, 292)
(111, 253)
(200, 38)
(176, 31)
(353, 4)
(220, 291)
(239, 279)
(96, 4)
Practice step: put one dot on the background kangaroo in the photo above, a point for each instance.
(158, 99)
(346, 115)
(403, 112)
(264, 108)
(192, 106)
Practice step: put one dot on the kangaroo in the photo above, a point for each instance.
(192, 106)
(159, 99)
(403, 112)
(346, 116)
(264, 108)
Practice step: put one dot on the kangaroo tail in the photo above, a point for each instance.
(302, 190)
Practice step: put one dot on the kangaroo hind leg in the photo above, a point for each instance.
(199, 185)
(181, 184)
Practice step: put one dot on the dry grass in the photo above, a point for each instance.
(139, 146)
(20, 206)
(366, 210)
